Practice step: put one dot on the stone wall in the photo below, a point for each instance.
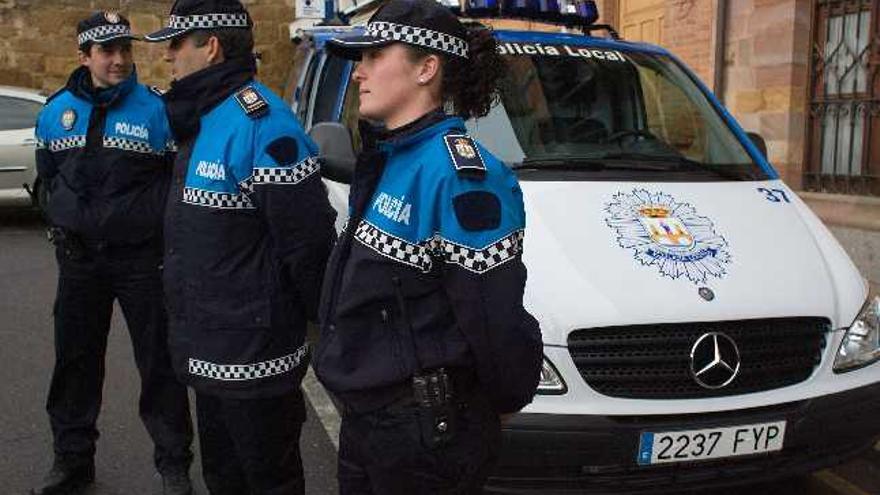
(688, 33)
(38, 46)
(766, 78)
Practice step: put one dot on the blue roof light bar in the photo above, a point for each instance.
(572, 13)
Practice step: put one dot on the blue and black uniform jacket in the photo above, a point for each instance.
(105, 157)
(429, 273)
(248, 230)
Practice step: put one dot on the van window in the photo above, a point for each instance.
(302, 111)
(607, 110)
(334, 75)
(585, 104)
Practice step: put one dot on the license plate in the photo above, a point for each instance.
(710, 443)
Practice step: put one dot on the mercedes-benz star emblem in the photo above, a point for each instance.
(714, 360)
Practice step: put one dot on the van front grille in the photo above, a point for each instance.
(653, 361)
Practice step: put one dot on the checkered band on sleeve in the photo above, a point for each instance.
(66, 143)
(211, 199)
(103, 32)
(389, 246)
(129, 145)
(427, 38)
(243, 372)
(482, 260)
(287, 175)
(208, 21)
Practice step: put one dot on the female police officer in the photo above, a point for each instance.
(425, 341)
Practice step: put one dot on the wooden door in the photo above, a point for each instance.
(642, 20)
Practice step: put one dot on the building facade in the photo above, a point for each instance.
(38, 46)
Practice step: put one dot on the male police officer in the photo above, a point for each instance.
(248, 230)
(103, 152)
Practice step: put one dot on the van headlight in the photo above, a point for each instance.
(551, 382)
(861, 343)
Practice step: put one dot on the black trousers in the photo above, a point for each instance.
(382, 452)
(89, 282)
(251, 446)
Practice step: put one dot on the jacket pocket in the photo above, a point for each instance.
(226, 305)
(362, 352)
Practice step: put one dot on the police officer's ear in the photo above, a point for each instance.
(214, 50)
(428, 69)
(84, 53)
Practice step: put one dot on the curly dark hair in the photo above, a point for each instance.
(470, 84)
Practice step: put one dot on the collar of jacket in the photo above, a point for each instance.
(194, 96)
(417, 125)
(80, 84)
(442, 127)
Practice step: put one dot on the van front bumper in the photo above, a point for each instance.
(570, 454)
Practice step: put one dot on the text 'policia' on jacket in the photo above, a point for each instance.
(248, 230)
(105, 156)
(429, 273)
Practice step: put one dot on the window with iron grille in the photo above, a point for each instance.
(843, 142)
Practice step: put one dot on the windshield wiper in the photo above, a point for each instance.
(584, 164)
(678, 163)
(623, 161)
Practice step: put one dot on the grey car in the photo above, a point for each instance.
(18, 175)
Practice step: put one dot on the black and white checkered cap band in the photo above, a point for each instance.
(412, 35)
(242, 372)
(208, 21)
(104, 33)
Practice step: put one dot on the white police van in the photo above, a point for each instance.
(701, 326)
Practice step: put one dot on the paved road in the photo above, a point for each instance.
(124, 465)
(27, 286)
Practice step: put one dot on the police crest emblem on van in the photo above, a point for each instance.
(668, 234)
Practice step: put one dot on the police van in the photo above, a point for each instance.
(701, 326)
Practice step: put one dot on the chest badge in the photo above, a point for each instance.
(464, 149)
(68, 119)
(112, 17)
(465, 156)
(669, 235)
(252, 102)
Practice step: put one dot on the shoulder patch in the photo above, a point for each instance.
(156, 91)
(252, 102)
(477, 210)
(465, 156)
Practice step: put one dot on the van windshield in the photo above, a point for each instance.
(575, 108)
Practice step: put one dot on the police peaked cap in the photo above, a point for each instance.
(422, 23)
(102, 27)
(190, 15)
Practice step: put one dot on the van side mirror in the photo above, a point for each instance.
(759, 142)
(336, 151)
